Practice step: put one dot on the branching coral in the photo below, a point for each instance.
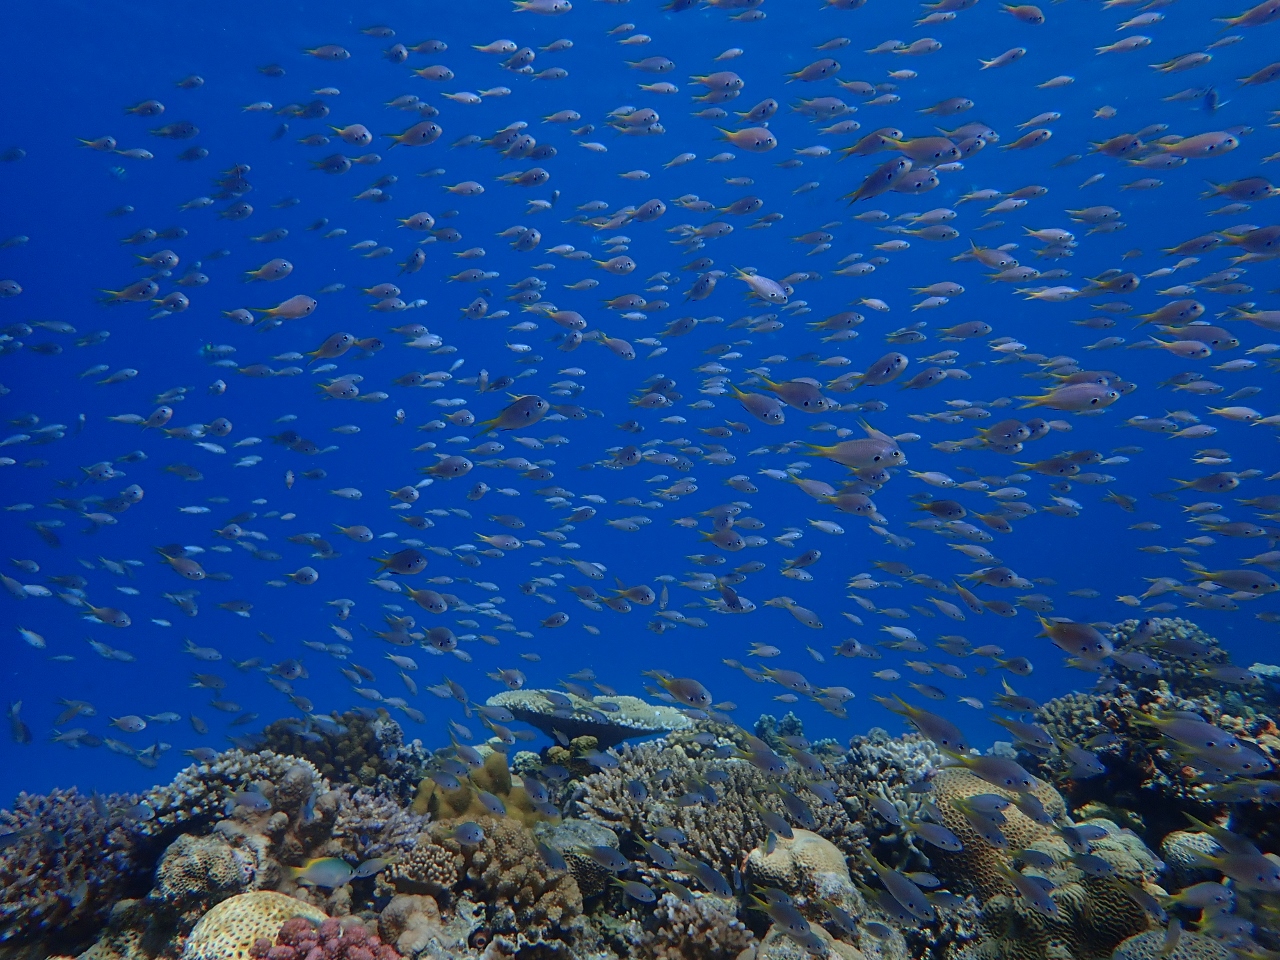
(69, 861)
(355, 748)
(524, 899)
(198, 794)
(706, 929)
(196, 873)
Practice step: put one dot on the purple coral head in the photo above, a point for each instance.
(294, 931)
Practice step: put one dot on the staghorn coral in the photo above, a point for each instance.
(524, 900)
(364, 749)
(624, 718)
(229, 930)
(300, 938)
(706, 929)
(69, 861)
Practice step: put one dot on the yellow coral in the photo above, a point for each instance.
(464, 802)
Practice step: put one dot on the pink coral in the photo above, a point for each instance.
(299, 939)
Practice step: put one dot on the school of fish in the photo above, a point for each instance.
(767, 313)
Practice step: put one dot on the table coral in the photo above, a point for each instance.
(620, 718)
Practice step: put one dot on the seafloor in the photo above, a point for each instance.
(654, 835)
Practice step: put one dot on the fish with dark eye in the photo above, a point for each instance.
(405, 562)
(686, 690)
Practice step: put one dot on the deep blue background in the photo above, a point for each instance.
(68, 69)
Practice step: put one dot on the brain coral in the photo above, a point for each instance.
(806, 863)
(1191, 946)
(1096, 912)
(976, 867)
(229, 930)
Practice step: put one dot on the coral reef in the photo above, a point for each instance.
(299, 938)
(69, 860)
(1146, 782)
(364, 749)
(706, 929)
(1190, 946)
(196, 873)
(523, 899)
(1095, 911)
(611, 720)
(977, 867)
(230, 930)
(198, 795)
(223, 847)
(465, 802)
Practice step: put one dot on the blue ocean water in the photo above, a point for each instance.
(70, 71)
